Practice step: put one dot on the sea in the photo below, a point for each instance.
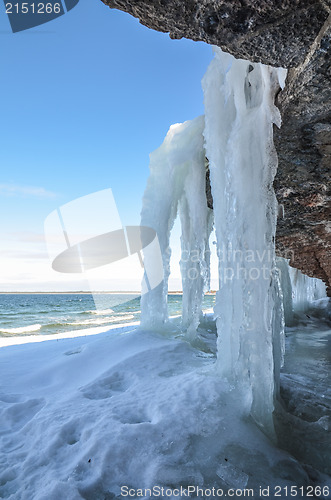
(57, 313)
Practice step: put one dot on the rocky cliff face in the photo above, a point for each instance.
(294, 34)
(303, 144)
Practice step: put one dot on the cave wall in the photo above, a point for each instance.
(303, 179)
(294, 34)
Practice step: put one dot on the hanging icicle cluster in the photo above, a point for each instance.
(236, 135)
(177, 184)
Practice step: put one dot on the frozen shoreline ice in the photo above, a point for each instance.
(81, 417)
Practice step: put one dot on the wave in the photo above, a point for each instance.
(101, 311)
(121, 318)
(63, 325)
(102, 321)
(22, 329)
(209, 310)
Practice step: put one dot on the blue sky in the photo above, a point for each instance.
(85, 99)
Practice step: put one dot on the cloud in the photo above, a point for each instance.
(24, 236)
(17, 190)
(21, 254)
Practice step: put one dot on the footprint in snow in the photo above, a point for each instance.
(107, 387)
(70, 432)
(132, 416)
(18, 415)
(10, 398)
(73, 351)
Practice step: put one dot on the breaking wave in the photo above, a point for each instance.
(22, 329)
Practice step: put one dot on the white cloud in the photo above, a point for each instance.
(17, 190)
(24, 236)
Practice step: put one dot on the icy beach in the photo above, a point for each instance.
(230, 404)
(85, 417)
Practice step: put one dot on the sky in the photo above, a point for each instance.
(85, 99)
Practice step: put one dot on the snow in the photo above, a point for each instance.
(83, 417)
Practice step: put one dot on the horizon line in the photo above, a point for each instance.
(72, 292)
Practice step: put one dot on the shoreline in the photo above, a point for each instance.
(84, 332)
(212, 292)
(70, 293)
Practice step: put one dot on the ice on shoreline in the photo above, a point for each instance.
(82, 417)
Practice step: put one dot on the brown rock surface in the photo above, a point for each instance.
(303, 179)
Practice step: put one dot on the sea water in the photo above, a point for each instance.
(43, 313)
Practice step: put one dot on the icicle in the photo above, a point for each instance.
(305, 290)
(177, 180)
(286, 287)
(299, 290)
(239, 116)
(196, 222)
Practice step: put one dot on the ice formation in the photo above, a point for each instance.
(305, 290)
(286, 289)
(299, 291)
(177, 184)
(236, 137)
(239, 116)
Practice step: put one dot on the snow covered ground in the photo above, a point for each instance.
(85, 417)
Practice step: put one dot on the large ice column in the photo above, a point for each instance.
(177, 181)
(239, 118)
